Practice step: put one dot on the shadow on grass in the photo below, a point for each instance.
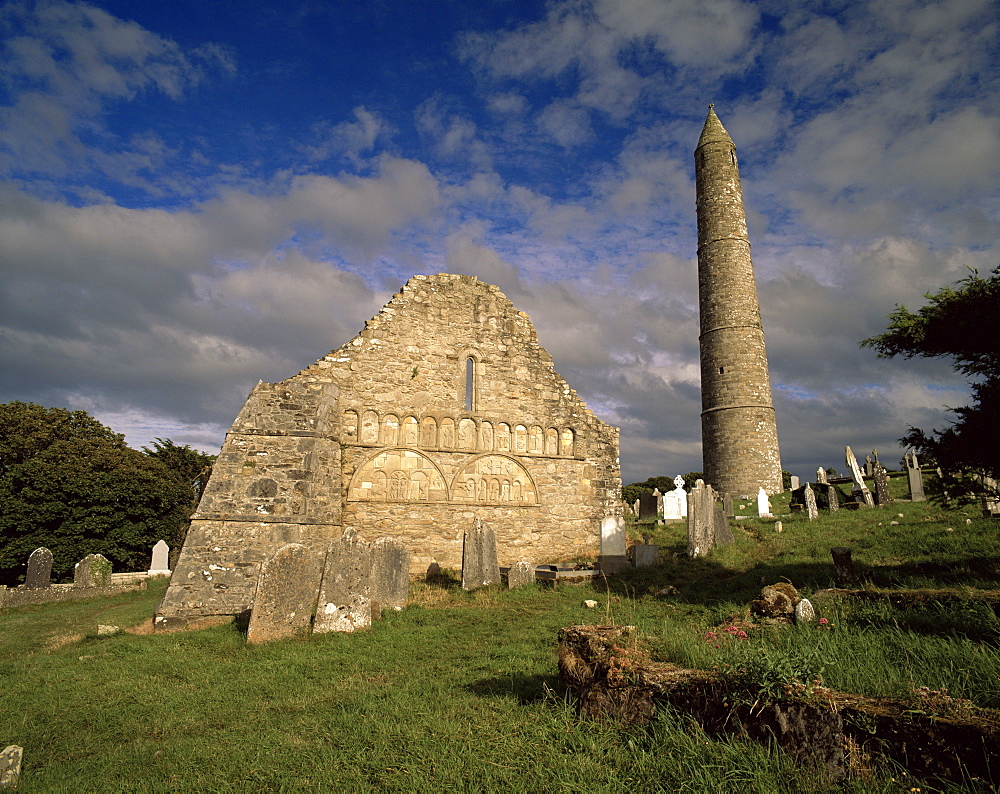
(705, 583)
(527, 689)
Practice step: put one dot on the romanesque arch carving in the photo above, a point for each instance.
(369, 428)
(398, 475)
(494, 479)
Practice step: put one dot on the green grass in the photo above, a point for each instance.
(458, 691)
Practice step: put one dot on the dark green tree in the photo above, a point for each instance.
(71, 484)
(193, 468)
(962, 323)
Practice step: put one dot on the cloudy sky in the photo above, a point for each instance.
(197, 195)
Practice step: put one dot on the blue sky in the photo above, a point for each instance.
(195, 196)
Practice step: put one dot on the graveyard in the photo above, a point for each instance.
(460, 689)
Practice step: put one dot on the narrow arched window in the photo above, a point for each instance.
(470, 384)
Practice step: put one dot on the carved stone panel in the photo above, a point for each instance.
(494, 479)
(398, 475)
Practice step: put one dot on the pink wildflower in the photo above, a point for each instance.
(742, 635)
(823, 621)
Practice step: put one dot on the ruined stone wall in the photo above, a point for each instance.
(739, 431)
(443, 408)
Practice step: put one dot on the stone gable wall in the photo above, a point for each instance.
(381, 436)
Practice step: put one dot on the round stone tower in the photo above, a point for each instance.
(738, 429)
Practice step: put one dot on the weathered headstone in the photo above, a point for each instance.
(636, 508)
(832, 498)
(914, 478)
(645, 554)
(39, 569)
(821, 476)
(10, 766)
(94, 570)
(659, 504)
(520, 574)
(809, 497)
(287, 590)
(722, 533)
(158, 564)
(794, 482)
(703, 516)
(843, 566)
(805, 612)
(479, 556)
(882, 496)
(613, 543)
(390, 585)
(345, 596)
(727, 505)
(860, 491)
(869, 470)
(763, 504)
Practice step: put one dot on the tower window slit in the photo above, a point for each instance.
(470, 383)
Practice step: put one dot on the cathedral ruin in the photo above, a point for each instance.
(444, 409)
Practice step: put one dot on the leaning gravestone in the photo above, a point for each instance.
(821, 476)
(94, 570)
(882, 496)
(345, 603)
(794, 482)
(479, 556)
(39, 569)
(914, 478)
(286, 594)
(390, 585)
(810, 499)
(860, 491)
(159, 565)
(520, 574)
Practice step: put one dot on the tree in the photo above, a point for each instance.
(192, 467)
(961, 323)
(71, 484)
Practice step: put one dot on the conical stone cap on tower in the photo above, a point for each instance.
(713, 131)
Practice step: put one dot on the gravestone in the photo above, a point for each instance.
(390, 584)
(843, 566)
(613, 543)
(862, 496)
(727, 505)
(882, 496)
(805, 612)
(659, 505)
(645, 554)
(914, 478)
(722, 533)
(479, 556)
(794, 482)
(286, 594)
(94, 570)
(434, 573)
(520, 574)
(821, 476)
(832, 498)
(345, 603)
(39, 569)
(703, 520)
(636, 508)
(991, 504)
(158, 564)
(763, 504)
(675, 501)
(869, 466)
(10, 766)
(647, 506)
(810, 501)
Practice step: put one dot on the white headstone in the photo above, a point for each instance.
(763, 504)
(805, 612)
(159, 565)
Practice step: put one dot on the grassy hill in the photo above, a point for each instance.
(458, 690)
